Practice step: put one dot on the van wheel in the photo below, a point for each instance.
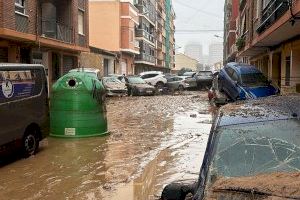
(30, 142)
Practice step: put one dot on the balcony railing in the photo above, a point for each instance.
(52, 29)
(272, 13)
(151, 15)
(145, 34)
(159, 45)
(146, 58)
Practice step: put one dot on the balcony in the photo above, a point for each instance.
(159, 45)
(147, 9)
(143, 57)
(272, 13)
(52, 29)
(148, 36)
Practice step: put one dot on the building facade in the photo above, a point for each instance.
(155, 34)
(184, 61)
(112, 28)
(231, 10)
(140, 32)
(269, 39)
(194, 51)
(215, 53)
(48, 32)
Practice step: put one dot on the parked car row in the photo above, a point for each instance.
(151, 82)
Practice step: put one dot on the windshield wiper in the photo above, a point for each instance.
(253, 192)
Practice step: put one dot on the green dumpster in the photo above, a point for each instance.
(77, 107)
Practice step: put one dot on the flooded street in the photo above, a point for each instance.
(153, 141)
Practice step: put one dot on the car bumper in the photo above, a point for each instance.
(116, 92)
(146, 92)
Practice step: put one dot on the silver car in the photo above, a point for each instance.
(176, 83)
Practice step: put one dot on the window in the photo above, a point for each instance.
(81, 22)
(20, 6)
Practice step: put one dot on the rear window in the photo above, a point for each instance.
(205, 74)
(16, 85)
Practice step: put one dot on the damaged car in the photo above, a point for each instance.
(242, 81)
(138, 87)
(253, 152)
(114, 87)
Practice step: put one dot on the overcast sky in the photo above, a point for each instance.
(198, 15)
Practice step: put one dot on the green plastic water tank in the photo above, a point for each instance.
(77, 107)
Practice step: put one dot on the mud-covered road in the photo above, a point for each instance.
(153, 141)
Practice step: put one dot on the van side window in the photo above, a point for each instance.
(16, 85)
(38, 81)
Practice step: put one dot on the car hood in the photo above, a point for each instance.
(115, 86)
(261, 91)
(142, 86)
(280, 185)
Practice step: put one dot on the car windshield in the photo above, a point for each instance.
(249, 150)
(111, 80)
(205, 74)
(136, 80)
(254, 79)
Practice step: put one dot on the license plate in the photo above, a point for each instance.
(148, 91)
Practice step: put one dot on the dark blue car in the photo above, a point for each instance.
(253, 152)
(242, 81)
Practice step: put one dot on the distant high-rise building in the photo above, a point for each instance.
(194, 51)
(215, 53)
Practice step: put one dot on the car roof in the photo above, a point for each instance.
(151, 72)
(244, 68)
(20, 65)
(85, 70)
(265, 109)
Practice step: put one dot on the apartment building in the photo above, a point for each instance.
(215, 53)
(269, 38)
(112, 28)
(48, 32)
(231, 10)
(155, 34)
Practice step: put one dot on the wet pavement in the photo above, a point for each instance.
(153, 141)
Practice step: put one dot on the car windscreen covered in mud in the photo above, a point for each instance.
(255, 158)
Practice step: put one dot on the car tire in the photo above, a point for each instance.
(181, 88)
(159, 85)
(30, 142)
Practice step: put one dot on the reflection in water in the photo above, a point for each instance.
(153, 141)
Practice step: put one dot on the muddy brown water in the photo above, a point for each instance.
(153, 141)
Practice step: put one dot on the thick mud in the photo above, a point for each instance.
(153, 141)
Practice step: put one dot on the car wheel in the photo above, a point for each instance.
(159, 85)
(181, 88)
(30, 142)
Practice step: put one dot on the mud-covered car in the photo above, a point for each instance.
(204, 79)
(114, 87)
(253, 152)
(136, 86)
